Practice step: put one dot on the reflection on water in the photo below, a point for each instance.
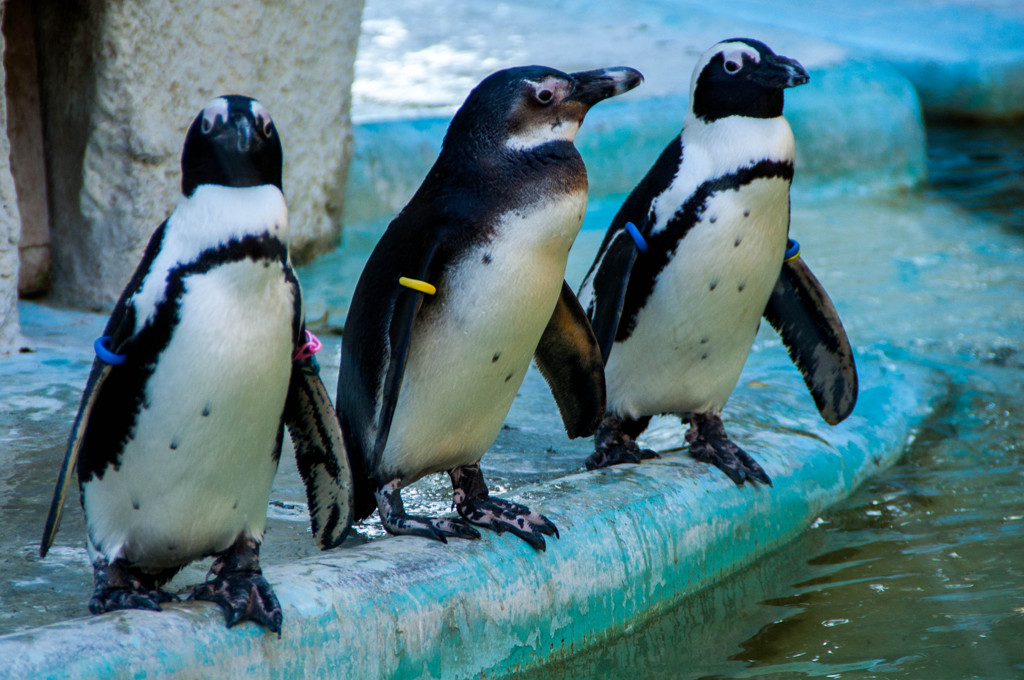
(920, 574)
(982, 170)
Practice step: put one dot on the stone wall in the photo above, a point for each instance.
(121, 81)
(10, 227)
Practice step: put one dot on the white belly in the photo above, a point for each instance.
(470, 350)
(694, 334)
(197, 473)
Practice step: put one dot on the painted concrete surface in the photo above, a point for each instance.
(634, 540)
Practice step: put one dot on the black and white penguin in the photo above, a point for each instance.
(204, 361)
(429, 373)
(697, 253)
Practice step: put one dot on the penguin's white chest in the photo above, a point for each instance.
(472, 344)
(693, 336)
(197, 472)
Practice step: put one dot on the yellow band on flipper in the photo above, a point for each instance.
(421, 286)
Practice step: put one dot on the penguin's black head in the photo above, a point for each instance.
(742, 77)
(232, 143)
(526, 107)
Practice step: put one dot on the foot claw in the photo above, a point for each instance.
(710, 444)
(243, 597)
(615, 443)
(240, 590)
(455, 528)
(501, 516)
(117, 588)
(617, 455)
(396, 522)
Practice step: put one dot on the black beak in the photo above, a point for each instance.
(246, 133)
(778, 72)
(593, 86)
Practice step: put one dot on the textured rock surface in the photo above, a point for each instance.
(9, 230)
(25, 133)
(116, 115)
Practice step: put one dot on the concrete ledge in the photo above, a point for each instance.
(857, 124)
(635, 540)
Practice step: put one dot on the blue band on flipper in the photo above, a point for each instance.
(792, 250)
(105, 355)
(641, 244)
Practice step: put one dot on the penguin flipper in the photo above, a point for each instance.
(373, 361)
(405, 303)
(569, 358)
(803, 314)
(320, 454)
(118, 331)
(610, 281)
(96, 379)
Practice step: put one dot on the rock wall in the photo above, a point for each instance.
(116, 113)
(10, 228)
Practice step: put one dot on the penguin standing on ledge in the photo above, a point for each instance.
(465, 287)
(203, 362)
(697, 253)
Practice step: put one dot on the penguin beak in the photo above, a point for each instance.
(590, 87)
(246, 133)
(778, 73)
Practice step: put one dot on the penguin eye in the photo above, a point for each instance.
(545, 97)
(210, 122)
(732, 66)
(268, 127)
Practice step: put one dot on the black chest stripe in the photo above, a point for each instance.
(113, 419)
(662, 246)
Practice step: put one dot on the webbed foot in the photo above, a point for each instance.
(615, 443)
(395, 521)
(120, 587)
(476, 505)
(238, 586)
(710, 444)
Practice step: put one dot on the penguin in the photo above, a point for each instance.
(428, 372)
(696, 255)
(204, 361)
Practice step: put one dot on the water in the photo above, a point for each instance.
(920, 574)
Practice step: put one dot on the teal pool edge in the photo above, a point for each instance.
(635, 540)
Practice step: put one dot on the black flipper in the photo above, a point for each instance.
(610, 281)
(319, 454)
(406, 303)
(570, 361)
(118, 330)
(801, 311)
(373, 359)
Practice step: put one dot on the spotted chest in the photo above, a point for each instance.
(196, 472)
(472, 343)
(692, 336)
